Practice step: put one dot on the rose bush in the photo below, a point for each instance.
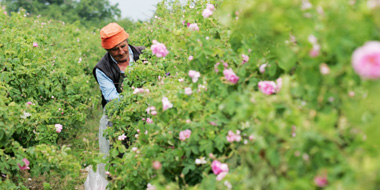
(46, 94)
(314, 123)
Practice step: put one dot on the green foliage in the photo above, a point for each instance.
(42, 85)
(317, 125)
(88, 12)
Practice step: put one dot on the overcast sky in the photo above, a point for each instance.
(136, 9)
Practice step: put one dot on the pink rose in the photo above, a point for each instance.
(183, 135)
(35, 44)
(366, 60)
(159, 49)
(245, 58)
(221, 176)
(218, 167)
(153, 112)
(216, 67)
(166, 104)
(231, 137)
(324, 69)
(29, 103)
(194, 75)
(156, 165)
(194, 27)
(207, 13)
(262, 68)
(230, 76)
(320, 181)
(149, 120)
(58, 128)
(188, 91)
(267, 87)
(26, 166)
(315, 51)
(149, 109)
(121, 137)
(210, 7)
(191, 58)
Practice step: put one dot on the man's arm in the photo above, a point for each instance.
(106, 86)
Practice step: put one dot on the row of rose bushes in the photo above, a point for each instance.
(47, 92)
(251, 95)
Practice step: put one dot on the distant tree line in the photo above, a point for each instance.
(88, 12)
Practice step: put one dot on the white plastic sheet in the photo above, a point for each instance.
(97, 180)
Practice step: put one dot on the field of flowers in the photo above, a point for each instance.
(47, 93)
(251, 95)
(263, 94)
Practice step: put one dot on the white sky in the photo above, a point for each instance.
(136, 9)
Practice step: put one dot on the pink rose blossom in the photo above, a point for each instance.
(35, 44)
(219, 169)
(194, 27)
(156, 165)
(143, 119)
(324, 69)
(149, 109)
(154, 113)
(194, 75)
(207, 13)
(216, 67)
(188, 91)
(149, 120)
(267, 87)
(107, 173)
(159, 49)
(150, 187)
(320, 181)
(245, 58)
(212, 123)
(188, 121)
(210, 7)
(183, 135)
(366, 60)
(191, 58)
(262, 68)
(230, 76)
(181, 80)
(166, 103)
(135, 149)
(26, 166)
(121, 137)
(138, 130)
(231, 137)
(29, 103)
(5, 12)
(58, 128)
(221, 176)
(315, 51)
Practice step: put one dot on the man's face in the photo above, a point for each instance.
(120, 52)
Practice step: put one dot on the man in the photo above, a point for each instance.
(109, 73)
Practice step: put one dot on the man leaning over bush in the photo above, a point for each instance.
(109, 72)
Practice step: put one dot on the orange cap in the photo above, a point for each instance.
(112, 34)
